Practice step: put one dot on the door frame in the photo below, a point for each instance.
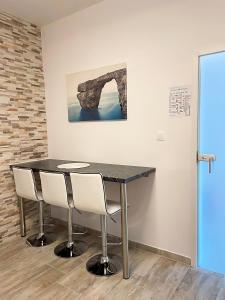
(194, 258)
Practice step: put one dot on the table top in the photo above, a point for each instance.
(110, 172)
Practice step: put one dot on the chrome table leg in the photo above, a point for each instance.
(22, 217)
(124, 230)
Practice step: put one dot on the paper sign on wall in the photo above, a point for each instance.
(180, 101)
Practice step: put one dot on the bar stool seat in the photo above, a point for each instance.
(89, 195)
(26, 188)
(107, 264)
(54, 190)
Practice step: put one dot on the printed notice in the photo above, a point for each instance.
(180, 101)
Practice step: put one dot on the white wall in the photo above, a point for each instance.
(160, 41)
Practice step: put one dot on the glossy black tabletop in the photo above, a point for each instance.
(110, 172)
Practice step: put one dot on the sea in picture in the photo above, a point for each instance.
(108, 109)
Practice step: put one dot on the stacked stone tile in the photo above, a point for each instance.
(23, 134)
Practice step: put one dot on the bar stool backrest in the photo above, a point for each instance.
(88, 193)
(54, 189)
(25, 184)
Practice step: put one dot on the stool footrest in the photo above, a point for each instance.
(79, 230)
(79, 233)
(114, 244)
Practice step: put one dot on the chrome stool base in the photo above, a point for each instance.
(96, 267)
(39, 241)
(77, 249)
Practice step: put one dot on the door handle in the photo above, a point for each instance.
(209, 158)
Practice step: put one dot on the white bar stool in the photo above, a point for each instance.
(26, 188)
(54, 191)
(89, 195)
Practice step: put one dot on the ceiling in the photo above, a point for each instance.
(42, 12)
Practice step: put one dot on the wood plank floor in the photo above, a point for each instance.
(34, 273)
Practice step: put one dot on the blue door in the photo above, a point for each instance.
(211, 163)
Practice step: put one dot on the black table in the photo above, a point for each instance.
(110, 172)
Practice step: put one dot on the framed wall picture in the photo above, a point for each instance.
(98, 94)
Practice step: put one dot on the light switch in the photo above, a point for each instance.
(161, 136)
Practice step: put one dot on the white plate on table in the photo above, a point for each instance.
(73, 166)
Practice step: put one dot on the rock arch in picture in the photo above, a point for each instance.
(90, 91)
